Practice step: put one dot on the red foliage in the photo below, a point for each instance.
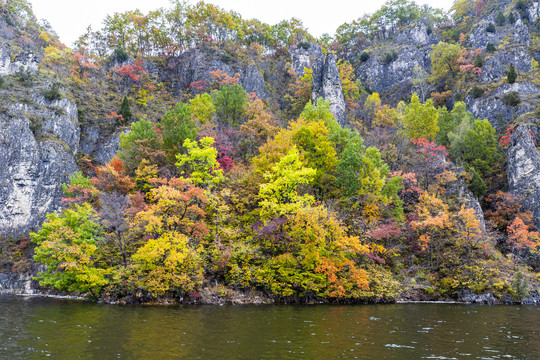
(221, 78)
(134, 71)
(505, 140)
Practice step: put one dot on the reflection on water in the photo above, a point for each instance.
(37, 328)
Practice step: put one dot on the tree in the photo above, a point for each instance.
(168, 264)
(476, 145)
(201, 160)
(202, 108)
(511, 75)
(279, 194)
(444, 66)
(141, 141)
(125, 110)
(177, 126)
(421, 84)
(67, 246)
(176, 206)
(300, 92)
(229, 103)
(521, 239)
(500, 19)
(420, 120)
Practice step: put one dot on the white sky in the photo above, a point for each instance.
(70, 18)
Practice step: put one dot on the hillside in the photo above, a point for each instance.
(192, 154)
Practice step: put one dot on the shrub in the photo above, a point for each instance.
(2, 82)
(511, 18)
(521, 5)
(53, 93)
(120, 54)
(478, 61)
(490, 47)
(429, 30)
(511, 75)
(304, 44)
(476, 92)
(490, 28)
(511, 99)
(390, 57)
(500, 20)
(125, 109)
(364, 56)
(458, 97)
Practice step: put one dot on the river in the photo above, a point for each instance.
(36, 328)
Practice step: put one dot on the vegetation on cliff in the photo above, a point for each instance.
(215, 185)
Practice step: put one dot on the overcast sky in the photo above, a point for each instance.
(70, 18)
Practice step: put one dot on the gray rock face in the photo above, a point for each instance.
(416, 35)
(534, 11)
(99, 146)
(398, 74)
(26, 62)
(37, 147)
(18, 284)
(496, 67)
(524, 170)
(253, 82)
(326, 79)
(490, 106)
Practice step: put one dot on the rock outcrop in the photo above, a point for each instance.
(524, 170)
(326, 79)
(38, 144)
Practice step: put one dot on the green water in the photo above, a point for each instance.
(34, 328)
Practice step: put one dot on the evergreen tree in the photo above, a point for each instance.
(125, 109)
(511, 75)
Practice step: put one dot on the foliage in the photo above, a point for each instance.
(511, 99)
(420, 120)
(279, 194)
(229, 103)
(201, 163)
(125, 110)
(511, 75)
(177, 126)
(67, 244)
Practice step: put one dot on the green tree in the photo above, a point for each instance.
(511, 75)
(202, 108)
(420, 120)
(279, 195)
(125, 110)
(444, 65)
(138, 142)
(230, 102)
(67, 246)
(201, 160)
(177, 126)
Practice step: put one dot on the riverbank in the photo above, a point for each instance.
(23, 284)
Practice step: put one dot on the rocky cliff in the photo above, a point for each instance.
(326, 79)
(524, 170)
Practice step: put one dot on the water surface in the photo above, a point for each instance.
(36, 328)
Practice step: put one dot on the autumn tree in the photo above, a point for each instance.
(420, 120)
(444, 65)
(279, 194)
(200, 163)
(68, 245)
(229, 103)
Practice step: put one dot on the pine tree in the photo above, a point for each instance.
(125, 110)
(511, 75)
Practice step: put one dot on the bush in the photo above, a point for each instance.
(364, 56)
(125, 109)
(2, 82)
(120, 54)
(511, 75)
(521, 5)
(390, 57)
(511, 99)
(25, 77)
(53, 93)
(458, 97)
(429, 30)
(304, 44)
(500, 20)
(511, 18)
(490, 28)
(478, 61)
(476, 92)
(490, 47)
